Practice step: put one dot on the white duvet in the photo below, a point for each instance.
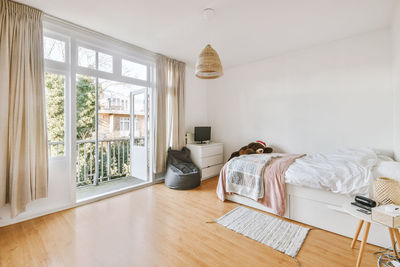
(346, 171)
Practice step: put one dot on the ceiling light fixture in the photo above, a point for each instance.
(208, 64)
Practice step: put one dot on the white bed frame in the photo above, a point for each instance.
(321, 209)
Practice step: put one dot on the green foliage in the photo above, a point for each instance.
(55, 106)
(85, 104)
(85, 107)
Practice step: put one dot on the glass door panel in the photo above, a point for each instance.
(114, 133)
(55, 86)
(85, 130)
(139, 130)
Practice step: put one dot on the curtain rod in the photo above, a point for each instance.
(21, 4)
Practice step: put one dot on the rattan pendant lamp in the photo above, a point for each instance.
(208, 64)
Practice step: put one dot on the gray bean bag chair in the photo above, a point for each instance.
(181, 173)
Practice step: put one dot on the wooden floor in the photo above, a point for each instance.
(157, 226)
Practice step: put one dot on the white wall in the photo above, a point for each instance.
(60, 195)
(316, 99)
(195, 101)
(396, 77)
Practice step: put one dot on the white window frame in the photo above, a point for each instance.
(78, 36)
(61, 68)
(116, 75)
(97, 63)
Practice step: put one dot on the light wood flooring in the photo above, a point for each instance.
(157, 226)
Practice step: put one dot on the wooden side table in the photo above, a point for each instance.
(366, 219)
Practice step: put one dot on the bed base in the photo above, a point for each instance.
(321, 209)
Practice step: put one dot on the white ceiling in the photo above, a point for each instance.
(241, 31)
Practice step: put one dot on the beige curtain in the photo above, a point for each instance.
(23, 138)
(169, 122)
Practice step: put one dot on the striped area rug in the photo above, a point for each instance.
(278, 234)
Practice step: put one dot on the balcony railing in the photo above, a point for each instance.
(114, 159)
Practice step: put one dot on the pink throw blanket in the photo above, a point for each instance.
(274, 182)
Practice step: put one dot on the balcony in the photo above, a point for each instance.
(113, 165)
(114, 160)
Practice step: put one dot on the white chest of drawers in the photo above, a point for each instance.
(208, 157)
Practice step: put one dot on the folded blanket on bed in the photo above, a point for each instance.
(273, 178)
(274, 183)
(245, 175)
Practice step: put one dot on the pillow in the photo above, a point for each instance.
(389, 169)
(383, 154)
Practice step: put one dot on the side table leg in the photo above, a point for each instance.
(397, 234)
(365, 237)
(360, 224)
(391, 233)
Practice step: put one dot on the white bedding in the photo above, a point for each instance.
(346, 171)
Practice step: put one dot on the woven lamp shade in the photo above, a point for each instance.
(208, 64)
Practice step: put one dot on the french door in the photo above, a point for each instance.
(139, 134)
(98, 101)
(112, 131)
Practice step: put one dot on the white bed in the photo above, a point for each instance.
(324, 209)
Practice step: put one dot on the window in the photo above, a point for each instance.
(115, 103)
(134, 70)
(54, 49)
(55, 86)
(86, 58)
(105, 63)
(56, 77)
(124, 124)
(104, 81)
(85, 107)
(85, 127)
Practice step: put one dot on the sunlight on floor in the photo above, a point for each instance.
(87, 192)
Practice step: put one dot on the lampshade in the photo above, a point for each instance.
(208, 64)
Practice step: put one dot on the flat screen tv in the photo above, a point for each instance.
(202, 134)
